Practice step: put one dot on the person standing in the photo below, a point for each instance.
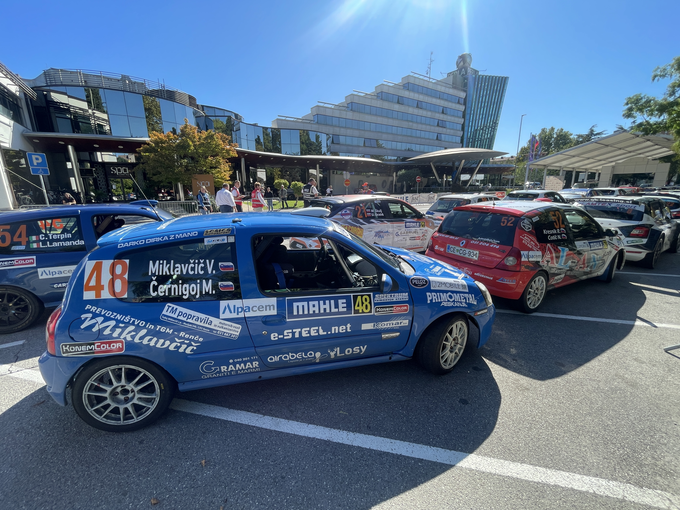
(309, 191)
(224, 199)
(283, 195)
(257, 200)
(329, 191)
(269, 197)
(203, 199)
(238, 197)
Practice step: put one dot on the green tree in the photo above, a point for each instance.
(651, 115)
(297, 186)
(173, 158)
(279, 182)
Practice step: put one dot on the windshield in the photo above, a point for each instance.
(622, 211)
(481, 226)
(445, 205)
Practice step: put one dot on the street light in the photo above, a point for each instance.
(518, 139)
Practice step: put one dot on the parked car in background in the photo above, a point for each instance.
(608, 192)
(669, 199)
(40, 248)
(446, 203)
(645, 222)
(208, 301)
(522, 249)
(538, 194)
(380, 220)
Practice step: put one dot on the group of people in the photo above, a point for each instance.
(227, 200)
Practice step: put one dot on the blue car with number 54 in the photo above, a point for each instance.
(198, 302)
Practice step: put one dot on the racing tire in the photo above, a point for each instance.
(675, 247)
(442, 346)
(19, 309)
(611, 270)
(652, 258)
(534, 293)
(121, 394)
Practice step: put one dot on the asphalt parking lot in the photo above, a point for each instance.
(575, 406)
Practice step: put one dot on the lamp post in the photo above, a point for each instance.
(518, 139)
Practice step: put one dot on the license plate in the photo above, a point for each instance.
(462, 252)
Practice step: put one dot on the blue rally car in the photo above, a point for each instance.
(200, 302)
(40, 248)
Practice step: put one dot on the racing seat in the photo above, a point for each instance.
(274, 270)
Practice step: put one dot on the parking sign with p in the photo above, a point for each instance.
(38, 163)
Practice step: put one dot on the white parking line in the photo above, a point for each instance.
(28, 374)
(638, 322)
(593, 485)
(12, 344)
(652, 274)
(600, 486)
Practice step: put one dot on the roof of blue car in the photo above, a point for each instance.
(278, 221)
(31, 214)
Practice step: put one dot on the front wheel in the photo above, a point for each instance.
(534, 293)
(611, 270)
(442, 346)
(122, 394)
(19, 309)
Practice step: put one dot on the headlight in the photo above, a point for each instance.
(485, 293)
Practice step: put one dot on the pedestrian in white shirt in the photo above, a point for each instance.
(225, 200)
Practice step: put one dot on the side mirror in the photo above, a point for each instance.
(385, 283)
(610, 233)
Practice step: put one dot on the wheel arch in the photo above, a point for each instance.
(442, 318)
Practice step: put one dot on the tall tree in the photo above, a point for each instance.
(173, 158)
(651, 115)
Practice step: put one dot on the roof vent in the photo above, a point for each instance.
(314, 212)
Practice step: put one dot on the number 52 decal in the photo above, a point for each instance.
(105, 279)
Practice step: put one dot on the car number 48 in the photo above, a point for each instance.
(105, 279)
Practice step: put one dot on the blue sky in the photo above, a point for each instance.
(571, 64)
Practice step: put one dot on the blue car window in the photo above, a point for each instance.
(42, 236)
(196, 271)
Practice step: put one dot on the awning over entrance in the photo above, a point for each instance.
(608, 150)
(460, 154)
(259, 159)
(84, 142)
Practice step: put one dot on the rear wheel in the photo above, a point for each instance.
(534, 293)
(442, 346)
(652, 258)
(122, 394)
(19, 309)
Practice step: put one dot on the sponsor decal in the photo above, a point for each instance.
(19, 247)
(17, 262)
(556, 279)
(448, 284)
(526, 225)
(288, 334)
(247, 308)
(61, 285)
(132, 330)
(507, 280)
(338, 352)
(582, 245)
(636, 241)
(200, 321)
(236, 367)
(462, 243)
(381, 234)
(530, 242)
(438, 248)
(226, 267)
(93, 348)
(435, 269)
(451, 298)
(329, 306)
(419, 282)
(391, 309)
(532, 256)
(226, 286)
(217, 232)
(385, 325)
(357, 231)
(346, 214)
(467, 271)
(158, 239)
(597, 245)
(295, 357)
(55, 272)
(394, 296)
(481, 275)
(216, 240)
(414, 224)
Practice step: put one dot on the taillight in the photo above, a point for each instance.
(49, 331)
(512, 261)
(639, 232)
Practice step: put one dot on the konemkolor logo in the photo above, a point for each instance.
(419, 282)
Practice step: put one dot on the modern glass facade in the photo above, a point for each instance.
(296, 142)
(9, 106)
(483, 109)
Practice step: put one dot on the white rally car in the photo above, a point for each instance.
(379, 219)
(645, 222)
(445, 204)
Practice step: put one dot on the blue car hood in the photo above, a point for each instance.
(428, 267)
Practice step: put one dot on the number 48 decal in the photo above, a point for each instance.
(105, 279)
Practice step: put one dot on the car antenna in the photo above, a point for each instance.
(145, 198)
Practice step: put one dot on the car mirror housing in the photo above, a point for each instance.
(385, 283)
(610, 233)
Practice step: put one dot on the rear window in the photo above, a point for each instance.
(42, 236)
(522, 196)
(445, 205)
(481, 226)
(622, 211)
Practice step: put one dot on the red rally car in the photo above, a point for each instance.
(520, 249)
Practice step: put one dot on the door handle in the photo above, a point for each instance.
(273, 319)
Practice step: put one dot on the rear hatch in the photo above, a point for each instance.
(478, 235)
